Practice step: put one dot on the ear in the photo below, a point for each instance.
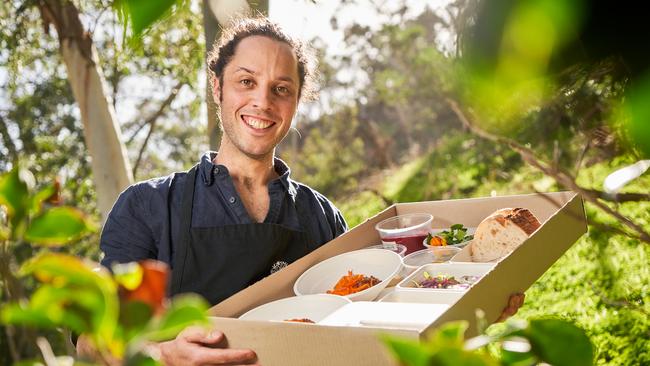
(216, 94)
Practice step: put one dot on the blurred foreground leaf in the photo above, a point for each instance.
(508, 57)
(57, 226)
(14, 195)
(559, 342)
(637, 118)
(75, 293)
(553, 341)
(141, 14)
(145, 281)
(445, 347)
(184, 311)
(408, 351)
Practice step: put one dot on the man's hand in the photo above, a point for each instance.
(514, 303)
(200, 346)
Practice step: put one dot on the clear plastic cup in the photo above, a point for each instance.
(408, 230)
(397, 248)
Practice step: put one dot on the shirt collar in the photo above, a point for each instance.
(209, 170)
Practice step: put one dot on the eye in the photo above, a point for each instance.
(282, 90)
(246, 82)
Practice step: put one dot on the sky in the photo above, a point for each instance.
(306, 19)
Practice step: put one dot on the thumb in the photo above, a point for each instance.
(201, 335)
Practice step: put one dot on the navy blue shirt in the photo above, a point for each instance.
(145, 219)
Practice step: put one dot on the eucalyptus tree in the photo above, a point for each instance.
(72, 86)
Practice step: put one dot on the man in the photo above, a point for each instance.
(237, 215)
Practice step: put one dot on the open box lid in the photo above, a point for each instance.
(286, 343)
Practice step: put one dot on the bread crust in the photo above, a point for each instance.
(501, 232)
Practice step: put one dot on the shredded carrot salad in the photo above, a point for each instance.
(352, 283)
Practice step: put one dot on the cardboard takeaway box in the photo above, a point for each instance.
(287, 343)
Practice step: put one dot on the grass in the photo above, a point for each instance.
(602, 283)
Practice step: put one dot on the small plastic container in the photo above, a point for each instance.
(459, 246)
(434, 232)
(458, 270)
(409, 230)
(427, 256)
(397, 248)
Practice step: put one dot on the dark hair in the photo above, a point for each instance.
(224, 50)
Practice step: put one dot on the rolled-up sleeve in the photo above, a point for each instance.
(127, 235)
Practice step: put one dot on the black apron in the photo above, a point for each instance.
(217, 262)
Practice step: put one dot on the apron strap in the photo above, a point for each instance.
(184, 231)
(303, 222)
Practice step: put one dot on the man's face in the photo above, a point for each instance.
(259, 96)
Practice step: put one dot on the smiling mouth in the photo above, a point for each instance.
(256, 123)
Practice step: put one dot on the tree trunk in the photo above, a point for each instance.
(102, 135)
(212, 32)
(216, 12)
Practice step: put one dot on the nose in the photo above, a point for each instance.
(262, 98)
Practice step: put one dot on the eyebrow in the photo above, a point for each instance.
(247, 70)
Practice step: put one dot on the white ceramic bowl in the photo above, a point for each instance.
(426, 256)
(313, 307)
(381, 263)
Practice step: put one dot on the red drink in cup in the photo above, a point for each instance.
(408, 230)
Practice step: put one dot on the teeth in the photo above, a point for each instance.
(257, 123)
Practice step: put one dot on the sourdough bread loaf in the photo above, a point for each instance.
(501, 232)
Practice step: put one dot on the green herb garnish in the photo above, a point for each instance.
(456, 234)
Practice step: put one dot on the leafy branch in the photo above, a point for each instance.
(550, 341)
(151, 121)
(562, 177)
(119, 314)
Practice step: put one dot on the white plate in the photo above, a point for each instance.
(381, 263)
(313, 307)
(386, 315)
(449, 269)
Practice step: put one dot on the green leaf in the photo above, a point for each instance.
(185, 310)
(96, 292)
(4, 233)
(140, 359)
(408, 351)
(510, 358)
(134, 317)
(452, 356)
(559, 342)
(14, 194)
(28, 363)
(71, 307)
(58, 226)
(449, 334)
(141, 14)
(129, 275)
(638, 115)
(38, 199)
(22, 314)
